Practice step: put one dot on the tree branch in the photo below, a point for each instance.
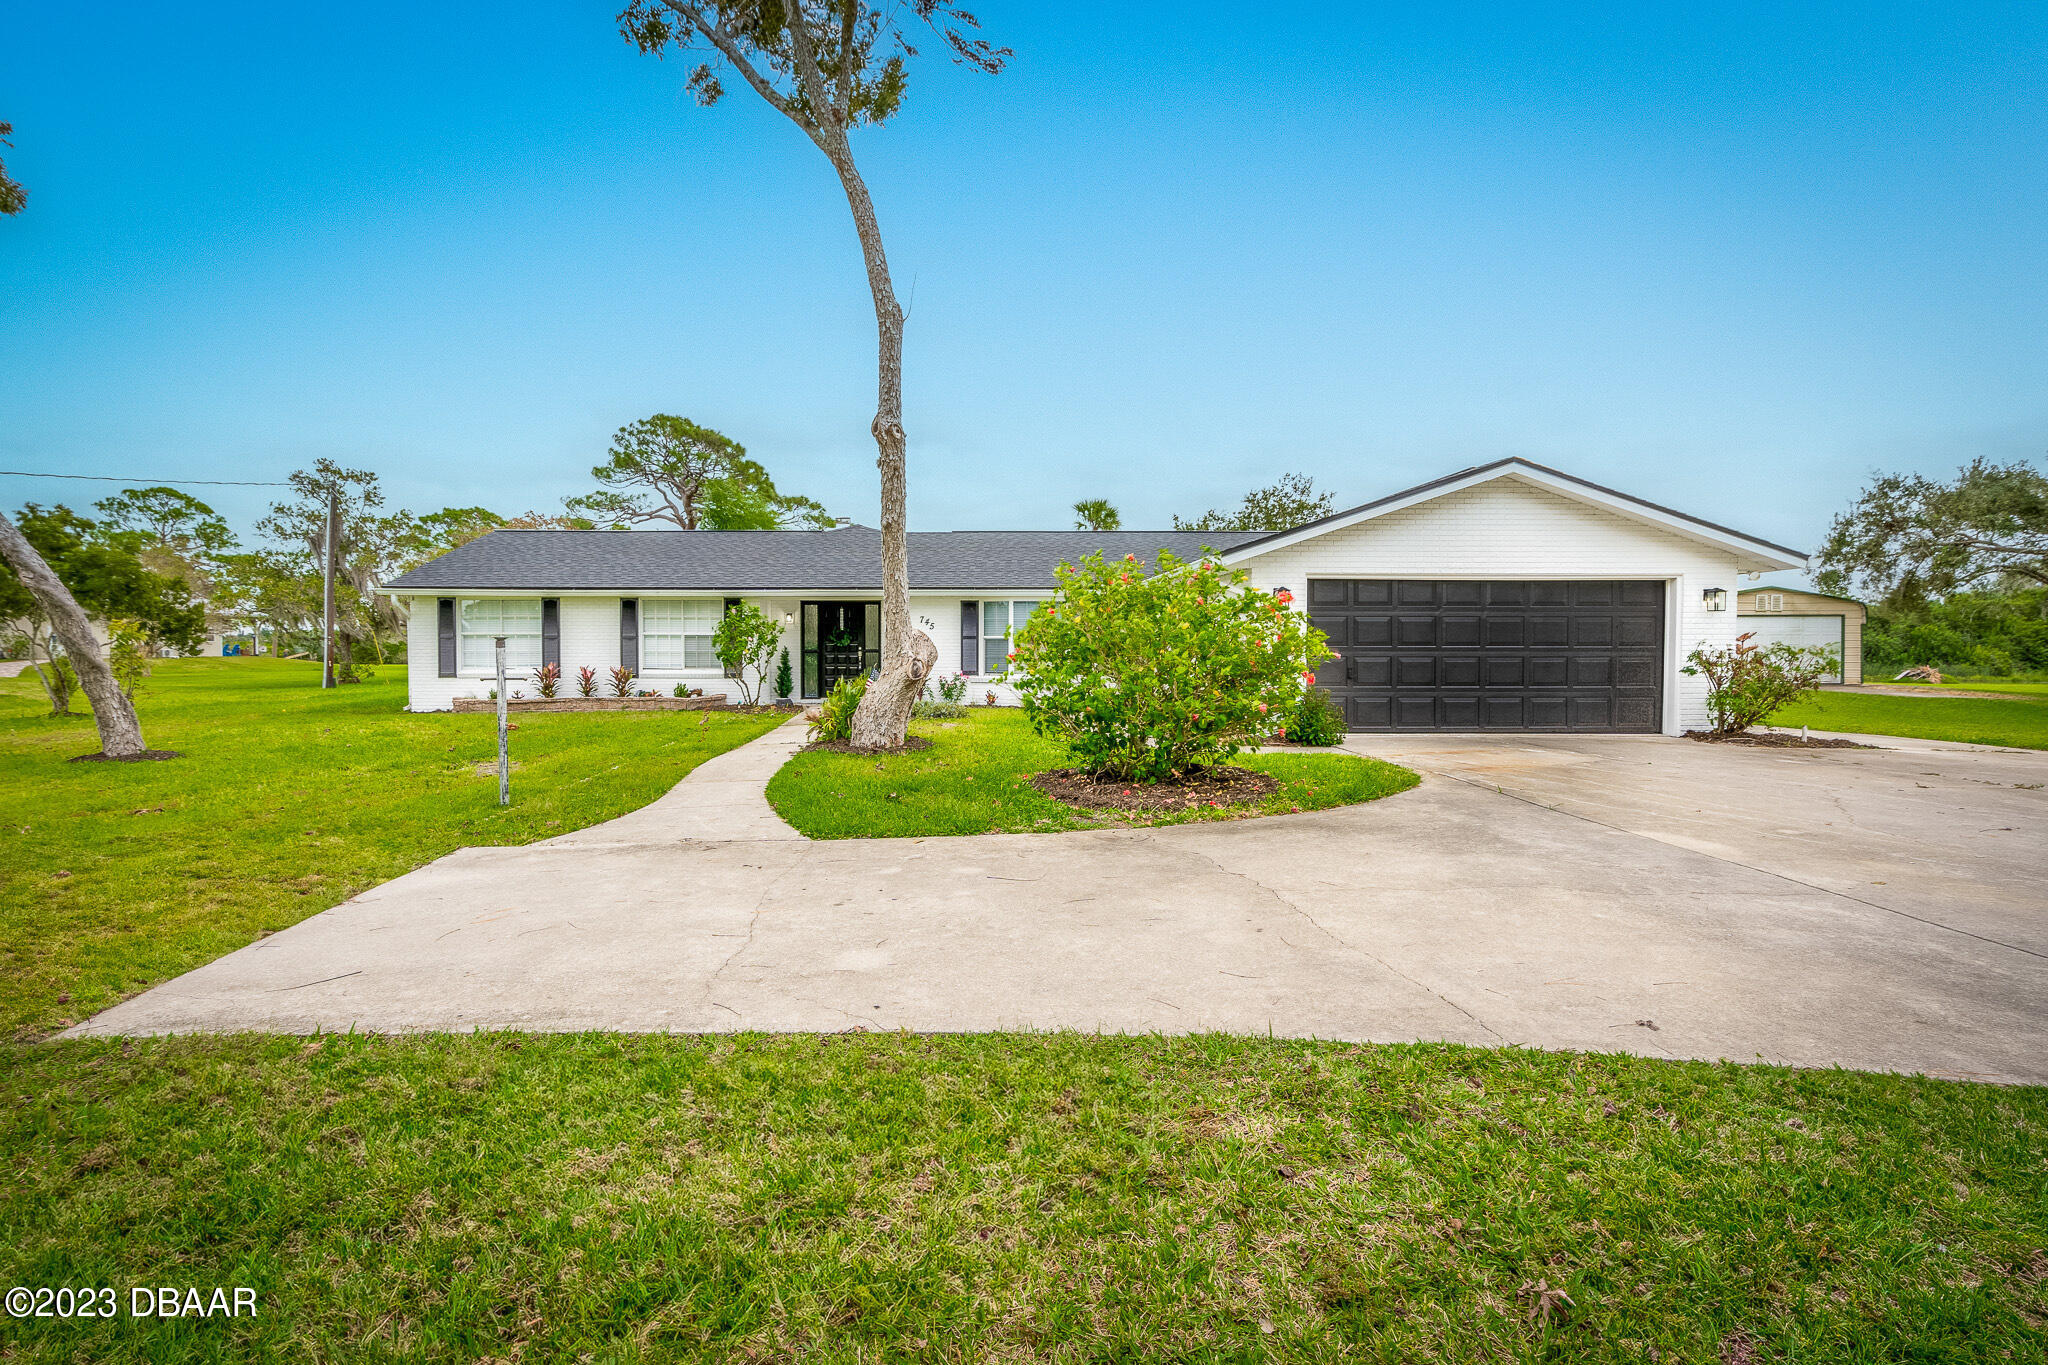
(729, 48)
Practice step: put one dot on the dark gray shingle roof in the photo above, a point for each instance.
(849, 557)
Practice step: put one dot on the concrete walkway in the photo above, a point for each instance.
(1879, 909)
(722, 799)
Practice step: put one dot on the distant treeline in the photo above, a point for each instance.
(1981, 633)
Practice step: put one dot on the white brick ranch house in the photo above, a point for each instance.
(1509, 596)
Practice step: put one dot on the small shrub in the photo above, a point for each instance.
(128, 656)
(1147, 677)
(622, 681)
(1316, 719)
(924, 708)
(682, 690)
(60, 682)
(547, 680)
(989, 697)
(835, 713)
(785, 680)
(586, 681)
(953, 689)
(1746, 682)
(745, 639)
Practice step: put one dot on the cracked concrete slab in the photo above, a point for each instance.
(1875, 909)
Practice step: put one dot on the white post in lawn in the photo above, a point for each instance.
(504, 762)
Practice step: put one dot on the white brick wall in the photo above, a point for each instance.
(590, 635)
(1513, 530)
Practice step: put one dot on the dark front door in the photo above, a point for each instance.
(840, 640)
(1438, 655)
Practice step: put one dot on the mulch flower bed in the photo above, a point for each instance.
(1774, 741)
(839, 746)
(1219, 786)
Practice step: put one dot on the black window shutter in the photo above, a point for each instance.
(970, 637)
(629, 634)
(551, 631)
(447, 637)
(730, 603)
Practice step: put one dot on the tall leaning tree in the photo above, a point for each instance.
(829, 66)
(120, 732)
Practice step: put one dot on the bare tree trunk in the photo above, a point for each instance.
(120, 734)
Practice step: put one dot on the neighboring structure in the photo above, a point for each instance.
(1505, 597)
(1795, 616)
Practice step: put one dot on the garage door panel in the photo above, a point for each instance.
(1550, 655)
(1504, 632)
(1411, 631)
(1461, 670)
(1414, 671)
(1371, 632)
(1458, 713)
(1639, 632)
(1461, 632)
(1638, 675)
(1635, 713)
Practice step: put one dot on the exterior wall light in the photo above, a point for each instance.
(1716, 599)
(788, 620)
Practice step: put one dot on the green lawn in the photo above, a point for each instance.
(849, 1198)
(1062, 1197)
(116, 876)
(972, 781)
(2021, 722)
(2006, 686)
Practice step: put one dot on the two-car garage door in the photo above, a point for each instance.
(1417, 654)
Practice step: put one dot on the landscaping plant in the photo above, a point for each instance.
(785, 681)
(622, 681)
(1316, 720)
(953, 689)
(834, 720)
(1149, 677)
(586, 681)
(128, 655)
(547, 680)
(745, 639)
(1747, 682)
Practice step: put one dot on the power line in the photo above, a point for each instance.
(109, 478)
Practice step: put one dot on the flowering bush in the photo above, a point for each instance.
(1147, 677)
(1746, 682)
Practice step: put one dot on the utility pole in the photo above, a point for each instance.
(327, 605)
(504, 758)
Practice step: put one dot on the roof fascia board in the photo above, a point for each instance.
(1776, 555)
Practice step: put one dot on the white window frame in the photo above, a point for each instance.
(476, 649)
(1770, 601)
(1009, 606)
(669, 646)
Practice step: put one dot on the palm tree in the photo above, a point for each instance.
(1096, 514)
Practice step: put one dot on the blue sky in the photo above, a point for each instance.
(1731, 258)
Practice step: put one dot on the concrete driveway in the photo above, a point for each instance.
(1874, 909)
